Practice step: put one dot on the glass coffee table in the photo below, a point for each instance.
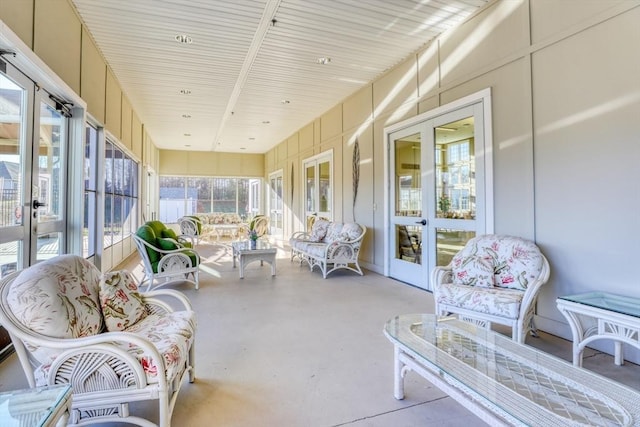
(504, 382)
(600, 315)
(263, 252)
(36, 407)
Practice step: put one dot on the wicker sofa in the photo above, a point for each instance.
(329, 245)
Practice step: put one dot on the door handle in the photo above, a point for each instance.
(423, 222)
(37, 204)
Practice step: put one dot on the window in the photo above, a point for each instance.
(181, 196)
(121, 194)
(89, 228)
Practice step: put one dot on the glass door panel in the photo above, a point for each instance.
(276, 203)
(437, 181)
(15, 130)
(407, 262)
(318, 188)
(48, 182)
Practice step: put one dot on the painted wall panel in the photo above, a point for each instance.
(18, 15)
(494, 33)
(57, 39)
(197, 163)
(281, 152)
(292, 144)
(396, 88)
(93, 78)
(361, 210)
(512, 145)
(125, 136)
(586, 109)
(113, 106)
(358, 109)
(428, 70)
(550, 17)
(305, 137)
(331, 124)
(136, 135)
(428, 104)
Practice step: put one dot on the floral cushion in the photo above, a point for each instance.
(319, 230)
(351, 231)
(515, 262)
(172, 334)
(473, 271)
(122, 305)
(334, 232)
(494, 301)
(58, 298)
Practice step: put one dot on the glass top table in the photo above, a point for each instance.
(42, 406)
(606, 301)
(245, 254)
(600, 315)
(502, 381)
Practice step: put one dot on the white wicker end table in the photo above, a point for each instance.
(36, 407)
(600, 315)
(504, 382)
(263, 252)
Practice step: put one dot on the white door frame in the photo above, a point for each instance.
(316, 160)
(486, 158)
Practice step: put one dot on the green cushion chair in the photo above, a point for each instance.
(165, 259)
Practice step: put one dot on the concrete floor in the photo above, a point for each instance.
(299, 350)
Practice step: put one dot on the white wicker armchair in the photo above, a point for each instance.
(191, 225)
(493, 279)
(165, 259)
(113, 345)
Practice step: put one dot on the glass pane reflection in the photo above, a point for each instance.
(455, 170)
(409, 248)
(408, 180)
(449, 242)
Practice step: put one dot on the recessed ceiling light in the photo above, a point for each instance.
(186, 116)
(252, 139)
(183, 38)
(187, 145)
(285, 101)
(323, 60)
(242, 148)
(187, 134)
(185, 91)
(265, 122)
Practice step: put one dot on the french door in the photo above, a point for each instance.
(437, 191)
(318, 187)
(275, 204)
(33, 140)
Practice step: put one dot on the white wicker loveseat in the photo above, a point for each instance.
(493, 279)
(330, 245)
(71, 325)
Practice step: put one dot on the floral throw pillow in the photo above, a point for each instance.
(473, 271)
(122, 304)
(319, 230)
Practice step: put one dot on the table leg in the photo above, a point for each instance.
(273, 266)
(619, 356)
(398, 377)
(241, 266)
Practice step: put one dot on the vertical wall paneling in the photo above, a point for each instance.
(18, 15)
(57, 39)
(113, 106)
(93, 78)
(125, 133)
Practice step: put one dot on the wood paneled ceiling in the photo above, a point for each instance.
(251, 67)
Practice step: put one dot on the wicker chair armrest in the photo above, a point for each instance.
(300, 235)
(162, 297)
